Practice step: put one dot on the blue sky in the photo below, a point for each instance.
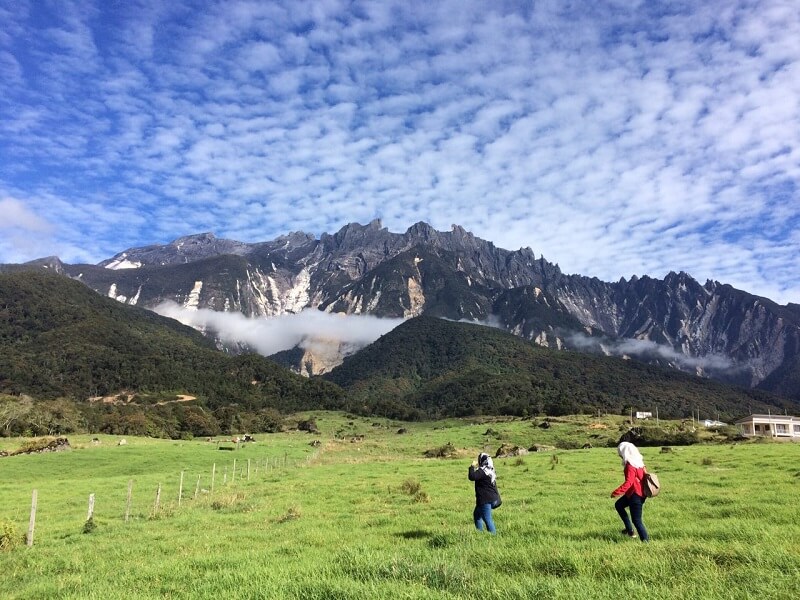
(612, 137)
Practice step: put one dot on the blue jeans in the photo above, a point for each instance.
(636, 504)
(483, 514)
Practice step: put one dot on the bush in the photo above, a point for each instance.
(446, 451)
(292, 513)
(89, 526)
(657, 436)
(411, 487)
(35, 445)
(421, 497)
(9, 536)
(228, 501)
(309, 425)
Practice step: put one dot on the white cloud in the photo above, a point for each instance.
(23, 232)
(18, 217)
(646, 350)
(269, 335)
(615, 140)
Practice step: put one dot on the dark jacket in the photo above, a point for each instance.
(485, 491)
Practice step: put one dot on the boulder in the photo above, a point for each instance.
(507, 450)
(309, 425)
(541, 448)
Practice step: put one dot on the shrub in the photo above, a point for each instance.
(411, 487)
(446, 451)
(9, 537)
(421, 497)
(658, 436)
(41, 445)
(89, 526)
(309, 425)
(292, 513)
(227, 501)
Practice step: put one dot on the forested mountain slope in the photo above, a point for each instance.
(433, 367)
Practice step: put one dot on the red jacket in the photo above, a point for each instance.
(632, 484)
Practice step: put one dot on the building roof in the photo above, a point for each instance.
(750, 418)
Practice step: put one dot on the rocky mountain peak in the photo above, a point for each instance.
(196, 238)
(354, 236)
(52, 263)
(365, 269)
(422, 232)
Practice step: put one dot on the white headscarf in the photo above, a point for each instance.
(630, 455)
(486, 465)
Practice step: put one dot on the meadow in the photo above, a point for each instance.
(365, 515)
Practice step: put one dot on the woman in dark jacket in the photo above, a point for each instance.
(486, 495)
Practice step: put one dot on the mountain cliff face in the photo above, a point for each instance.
(710, 329)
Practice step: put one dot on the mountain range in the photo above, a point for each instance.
(92, 363)
(711, 329)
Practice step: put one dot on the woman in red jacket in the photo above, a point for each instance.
(630, 491)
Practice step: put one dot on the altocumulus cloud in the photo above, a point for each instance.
(268, 335)
(615, 138)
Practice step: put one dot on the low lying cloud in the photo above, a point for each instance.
(649, 350)
(268, 335)
(490, 321)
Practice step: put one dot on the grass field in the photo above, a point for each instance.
(372, 518)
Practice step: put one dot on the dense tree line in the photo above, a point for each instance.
(24, 416)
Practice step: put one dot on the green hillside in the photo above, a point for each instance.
(59, 339)
(430, 367)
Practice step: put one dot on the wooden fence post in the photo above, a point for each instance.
(248, 469)
(197, 488)
(128, 501)
(90, 514)
(180, 489)
(233, 475)
(213, 474)
(32, 522)
(225, 476)
(158, 499)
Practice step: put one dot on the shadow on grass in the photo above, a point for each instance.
(414, 534)
(610, 535)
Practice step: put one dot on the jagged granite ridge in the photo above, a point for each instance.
(365, 269)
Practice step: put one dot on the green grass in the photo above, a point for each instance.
(374, 519)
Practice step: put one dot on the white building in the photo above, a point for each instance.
(777, 426)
